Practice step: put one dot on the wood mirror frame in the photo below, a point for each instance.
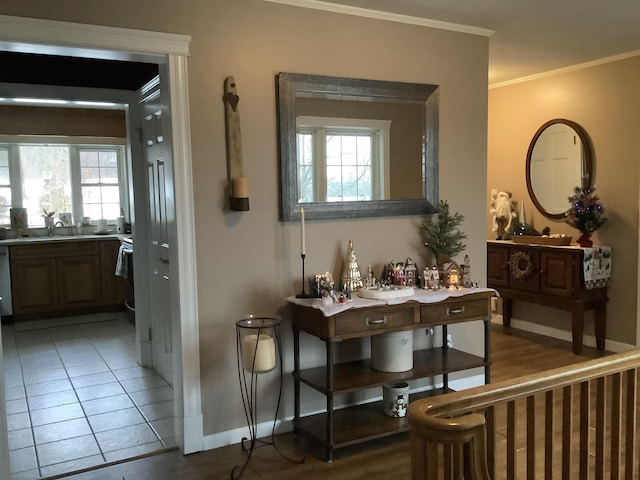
(587, 163)
(291, 85)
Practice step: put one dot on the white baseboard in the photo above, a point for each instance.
(231, 437)
(193, 436)
(588, 340)
(466, 383)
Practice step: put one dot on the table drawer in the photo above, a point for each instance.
(373, 320)
(454, 311)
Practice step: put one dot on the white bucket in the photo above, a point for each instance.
(392, 352)
(395, 399)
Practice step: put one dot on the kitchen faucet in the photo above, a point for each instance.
(54, 225)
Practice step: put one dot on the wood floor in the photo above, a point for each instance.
(514, 354)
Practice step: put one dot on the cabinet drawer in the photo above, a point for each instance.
(373, 320)
(54, 250)
(451, 312)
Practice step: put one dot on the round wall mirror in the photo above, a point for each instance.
(558, 160)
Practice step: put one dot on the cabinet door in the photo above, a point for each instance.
(497, 269)
(557, 277)
(524, 269)
(34, 286)
(113, 287)
(79, 282)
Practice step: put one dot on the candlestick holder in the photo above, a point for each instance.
(258, 352)
(303, 294)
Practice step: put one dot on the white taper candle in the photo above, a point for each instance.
(303, 247)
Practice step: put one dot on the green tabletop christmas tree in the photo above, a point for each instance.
(440, 234)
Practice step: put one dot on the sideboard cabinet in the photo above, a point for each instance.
(546, 275)
(334, 428)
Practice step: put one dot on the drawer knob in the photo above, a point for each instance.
(379, 321)
(455, 311)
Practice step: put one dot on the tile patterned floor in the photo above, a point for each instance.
(77, 398)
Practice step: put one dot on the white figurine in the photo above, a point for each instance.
(426, 278)
(466, 275)
(503, 211)
(431, 280)
(370, 280)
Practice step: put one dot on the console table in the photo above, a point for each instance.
(335, 429)
(547, 275)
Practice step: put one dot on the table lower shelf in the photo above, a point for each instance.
(357, 375)
(358, 424)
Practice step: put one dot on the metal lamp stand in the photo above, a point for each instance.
(258, 351)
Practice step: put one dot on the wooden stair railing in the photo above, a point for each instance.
(575, 422)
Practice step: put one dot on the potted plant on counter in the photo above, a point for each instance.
(48, 218)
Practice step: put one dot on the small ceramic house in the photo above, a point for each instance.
(454, 275)
(410, 273)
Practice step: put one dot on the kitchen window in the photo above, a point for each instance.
(85, 179)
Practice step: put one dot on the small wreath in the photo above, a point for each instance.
(520, 265)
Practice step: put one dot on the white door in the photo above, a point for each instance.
(159, 186)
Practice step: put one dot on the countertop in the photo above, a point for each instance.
(62, 238)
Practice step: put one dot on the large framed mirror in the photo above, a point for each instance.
(353, 148)
(559, 159)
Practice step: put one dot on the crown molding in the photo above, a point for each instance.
(569, 69)
(379, 15)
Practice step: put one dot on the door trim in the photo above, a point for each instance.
(185, 256)
(93, 41)
(82, 40)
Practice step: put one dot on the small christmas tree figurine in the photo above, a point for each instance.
(351, 279)
(440, 234)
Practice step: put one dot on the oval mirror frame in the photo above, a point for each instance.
(291, 85)
(587, 162)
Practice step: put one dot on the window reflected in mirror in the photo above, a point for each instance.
(342, 159)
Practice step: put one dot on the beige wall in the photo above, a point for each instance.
(605, 101)
(62, 121)
(249, 262)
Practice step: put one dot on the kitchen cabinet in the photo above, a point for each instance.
(546, 275)
(34, 286)
(61, 277)
(78, 282)
(333, 428)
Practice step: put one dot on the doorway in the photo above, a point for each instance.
(171, 51)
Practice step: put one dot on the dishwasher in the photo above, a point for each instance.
(6, 307)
